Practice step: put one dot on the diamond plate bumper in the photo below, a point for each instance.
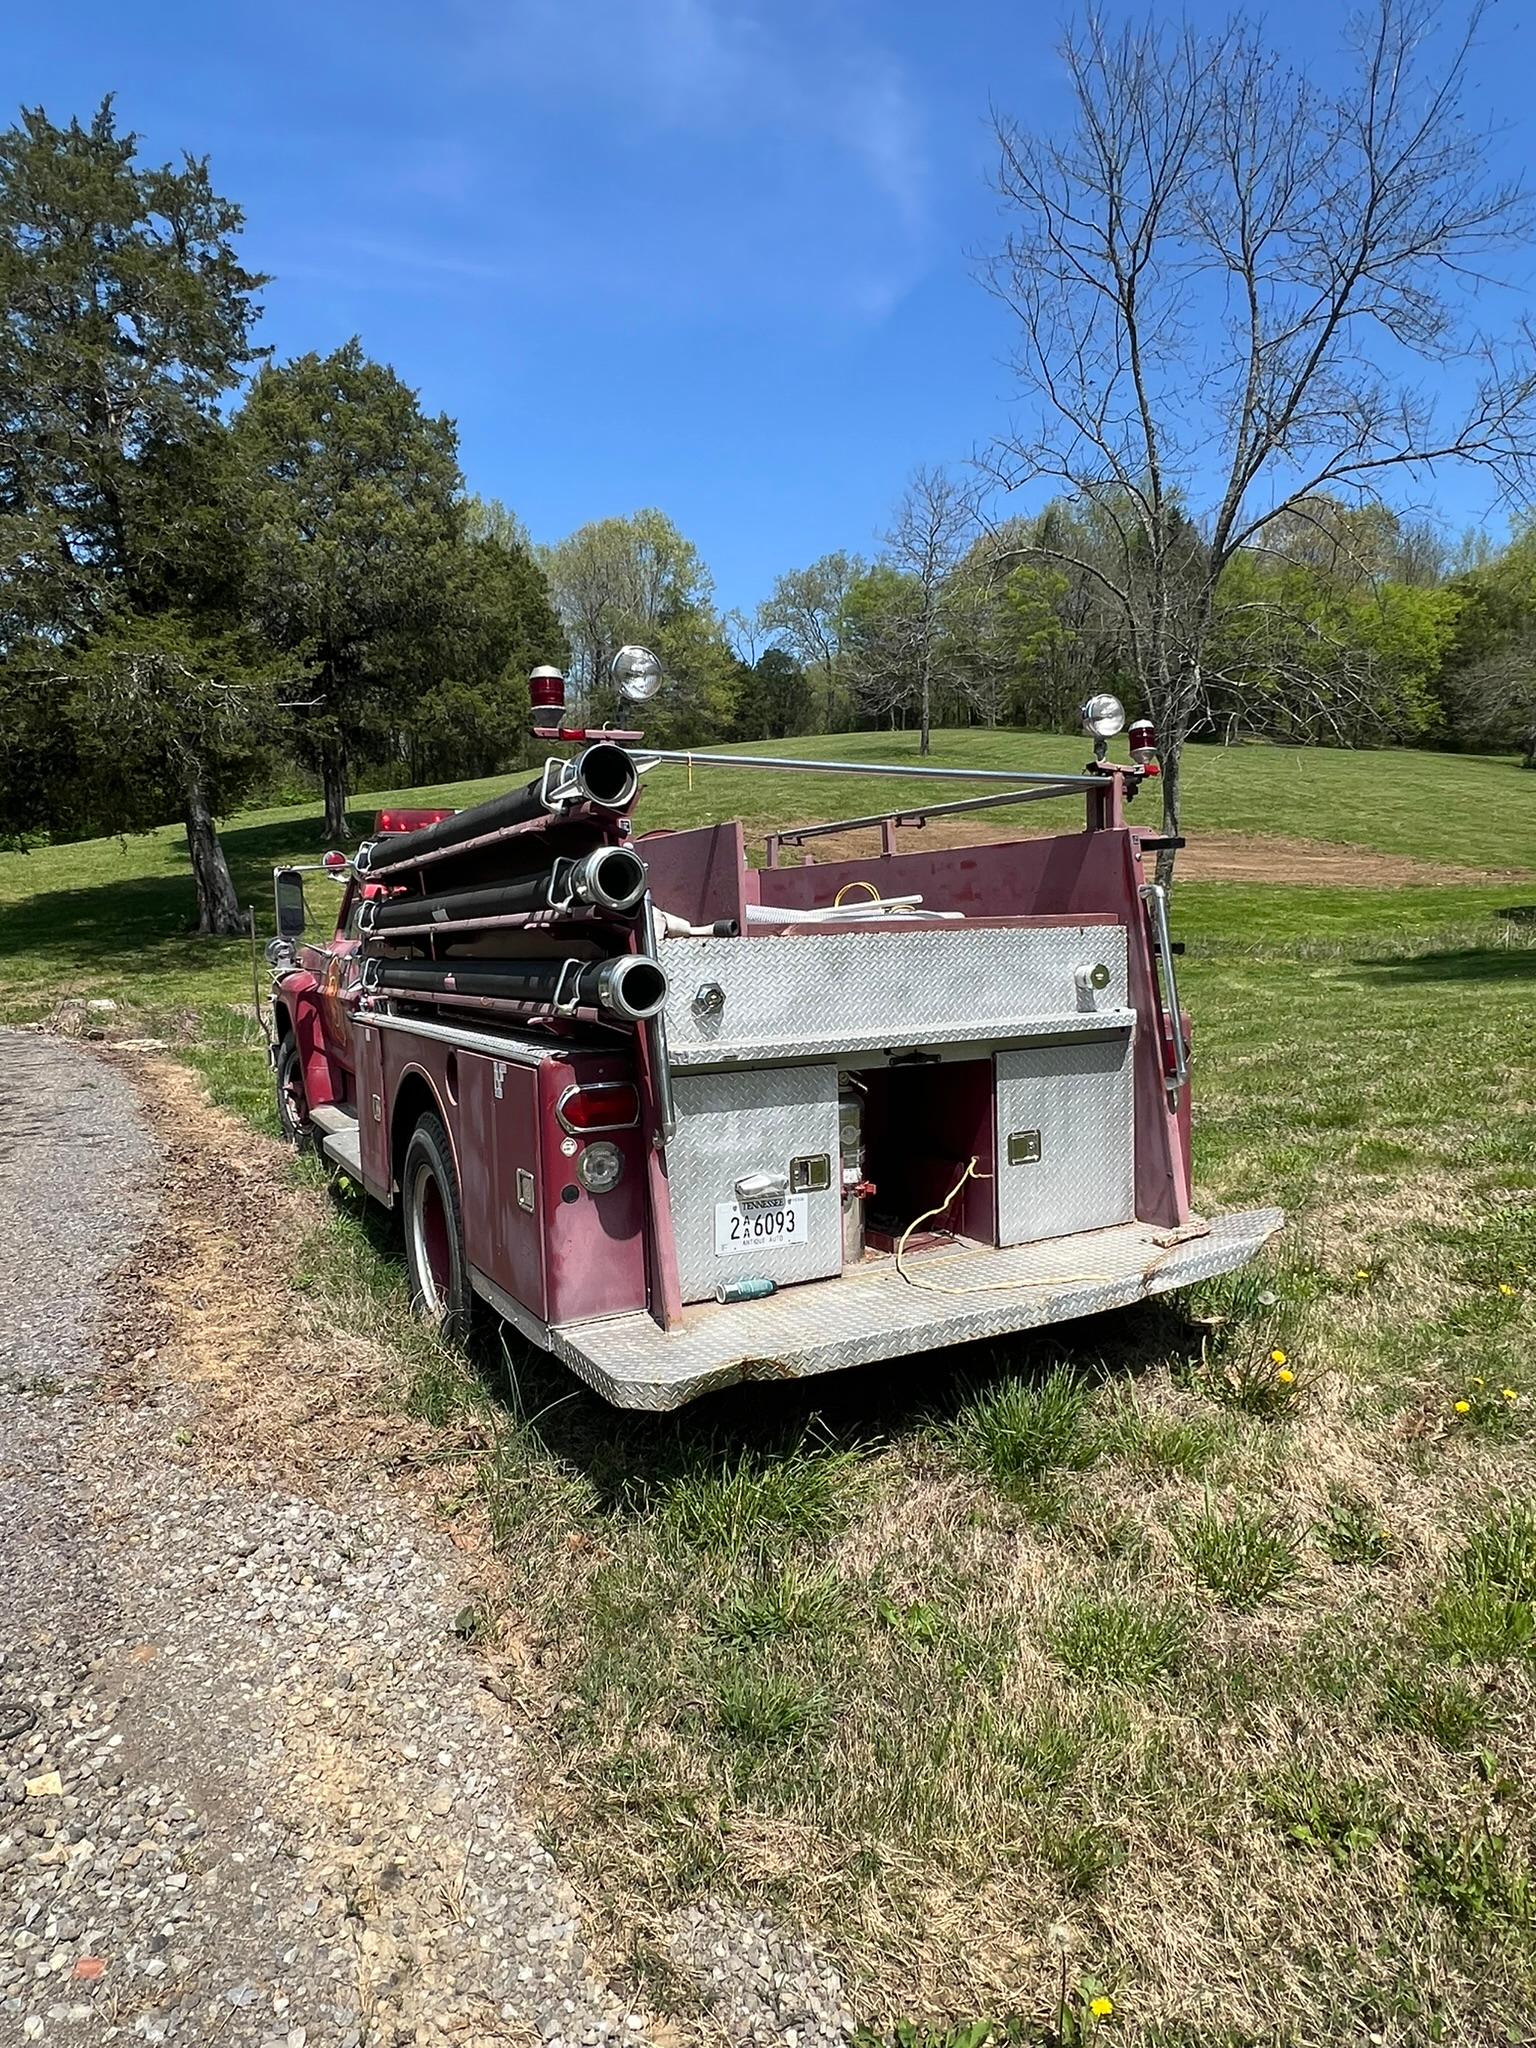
(871, 1313)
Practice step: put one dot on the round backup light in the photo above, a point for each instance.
(600, 1167)
(1103, 716)
(636, 673)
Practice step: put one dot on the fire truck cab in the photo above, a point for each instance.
(683, 1121)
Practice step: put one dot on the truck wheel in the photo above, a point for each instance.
(292, 1103)
(434, 1232)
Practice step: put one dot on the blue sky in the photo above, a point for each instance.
(713, 255)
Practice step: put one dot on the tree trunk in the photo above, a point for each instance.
(333, 780)
(218, 907)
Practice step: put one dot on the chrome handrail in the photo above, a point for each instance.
(1155, 897)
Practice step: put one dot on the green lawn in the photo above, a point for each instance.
(1185, 1659)
(110, 917)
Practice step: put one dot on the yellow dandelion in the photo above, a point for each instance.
(1277, 1357)
(1361, 1273)
(1285, 1376)
(1510, 1394)
(1478, 1380)
(1505, 1288)
(1463, 1407)
(1101, 2008)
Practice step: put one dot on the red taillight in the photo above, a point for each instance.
(600, 1106)
(546, 688)
(334, 862)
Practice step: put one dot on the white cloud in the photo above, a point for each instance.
(728, 66)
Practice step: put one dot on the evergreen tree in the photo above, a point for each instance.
(355, 543)
(125, 319)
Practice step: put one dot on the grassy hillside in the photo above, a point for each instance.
(110, 916)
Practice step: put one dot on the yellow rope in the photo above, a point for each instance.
(973, 1172)
(860, 884)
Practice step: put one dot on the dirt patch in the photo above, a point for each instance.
(207, 1302)
(1209, 856)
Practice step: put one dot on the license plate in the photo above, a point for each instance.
(759, 1226)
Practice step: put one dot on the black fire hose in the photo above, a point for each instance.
(611, 878)
(602, 775)
(631, 987)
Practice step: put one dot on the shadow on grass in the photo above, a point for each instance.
(1513, 962)
(630, 1458)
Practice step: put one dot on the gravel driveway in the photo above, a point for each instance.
(249, 1791)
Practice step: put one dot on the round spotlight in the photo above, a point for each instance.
(600, 1167)
(1103, 716)
(636, 672)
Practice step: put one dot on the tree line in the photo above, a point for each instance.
(1244, 309)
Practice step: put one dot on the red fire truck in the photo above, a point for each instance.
(684, 1122)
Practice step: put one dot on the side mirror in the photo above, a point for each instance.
(288, 888)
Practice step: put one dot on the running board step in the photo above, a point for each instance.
(340, 1139)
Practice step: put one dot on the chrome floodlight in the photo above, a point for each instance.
(636, 672)
(1103, 716)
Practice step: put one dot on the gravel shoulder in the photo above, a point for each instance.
(254, 1791)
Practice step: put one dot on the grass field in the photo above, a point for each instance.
(1185, 1660)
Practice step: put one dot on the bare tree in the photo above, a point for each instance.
(1221, 271)
(934, 528)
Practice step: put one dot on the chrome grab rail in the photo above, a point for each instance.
(1155, 897)
(655, 1028)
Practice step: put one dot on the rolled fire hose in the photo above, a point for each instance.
(602, 775)
(630, 987)
(609, 878)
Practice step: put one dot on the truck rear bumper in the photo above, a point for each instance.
(872, 1313)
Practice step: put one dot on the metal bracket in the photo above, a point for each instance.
(566, 1005)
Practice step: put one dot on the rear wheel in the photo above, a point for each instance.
(434, 1232)
(292, 1102)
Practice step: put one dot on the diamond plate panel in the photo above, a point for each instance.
(873, 1313)
(819, 993)
(732, 1124)
(1078, 1097)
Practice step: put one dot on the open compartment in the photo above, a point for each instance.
(924, 1120)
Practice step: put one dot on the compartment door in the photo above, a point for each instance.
(1066, 1157)
(732, 1127)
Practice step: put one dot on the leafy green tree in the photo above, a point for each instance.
(125, 319)
(773, 697)
(476, 720)
(806, 612)
(354, 543)
(1489, 683)
(617, 581)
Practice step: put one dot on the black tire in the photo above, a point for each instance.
(434, 1232)
(292, 1103)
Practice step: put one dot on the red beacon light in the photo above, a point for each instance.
(546, 693)
(333, 862)
(1143, 743)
